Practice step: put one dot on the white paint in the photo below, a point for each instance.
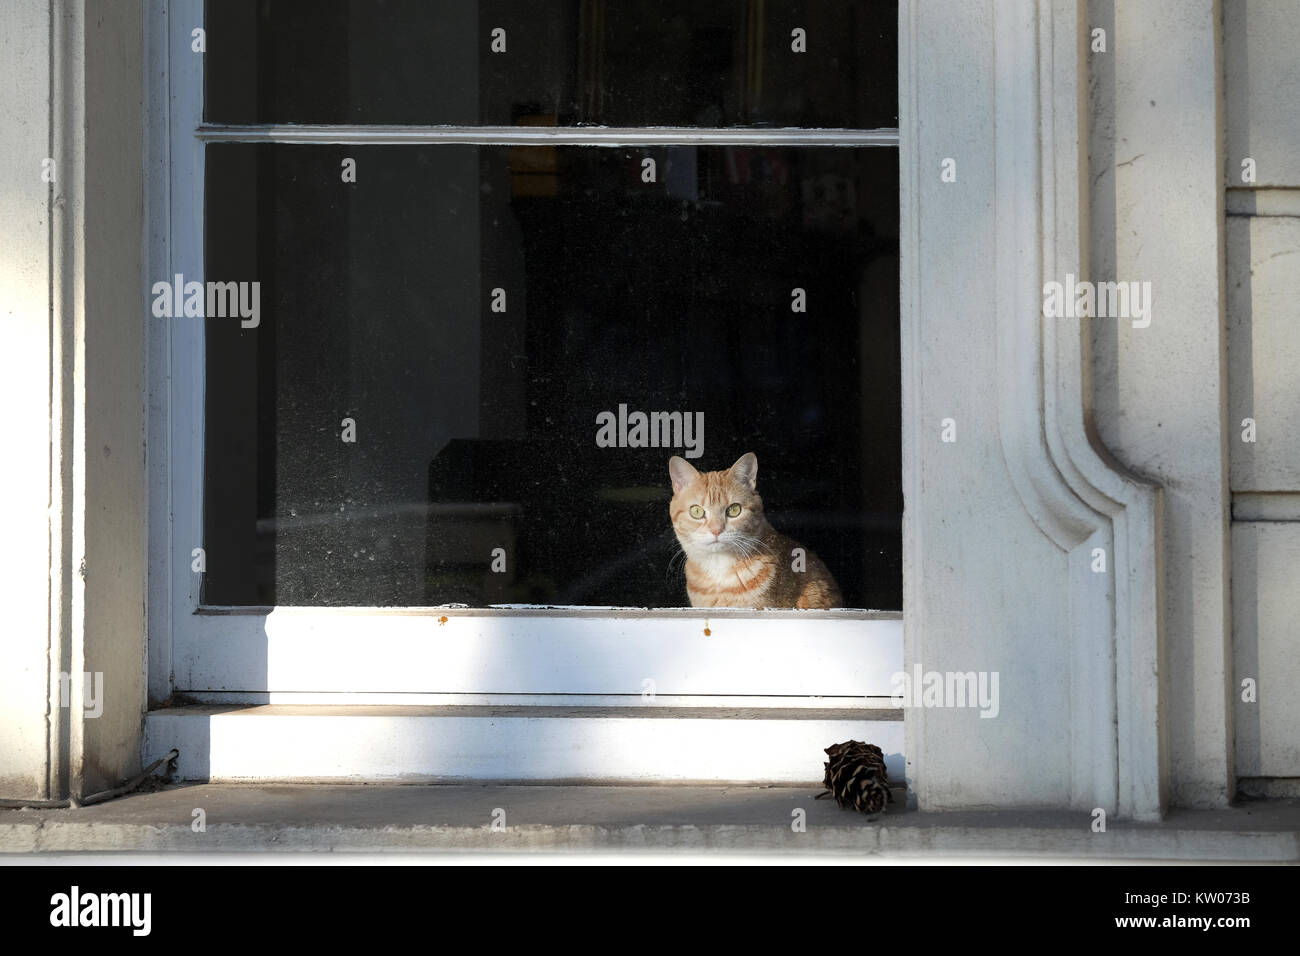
(33, 406)
(1124, 507)
(794, 653)
(719, 701)
(176, 368)
(1161, 405)
(73, 564)
(334, 654)
(549, 135)
(286, 744)
(104, 163)
(1264, 350)
(992, 529)
(998, 540)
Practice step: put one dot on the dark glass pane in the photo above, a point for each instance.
(475, 410)
(565, 62)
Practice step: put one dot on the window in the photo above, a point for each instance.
(414, 419)
(443, 240)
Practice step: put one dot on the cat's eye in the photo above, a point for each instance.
(733, 510)
(697, 511)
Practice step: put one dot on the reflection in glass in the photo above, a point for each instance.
(473, 310)
(813, 63)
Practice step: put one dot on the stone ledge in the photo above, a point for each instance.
(426, 819)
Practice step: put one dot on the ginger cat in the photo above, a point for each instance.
(734, 558)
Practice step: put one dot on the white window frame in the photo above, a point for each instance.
(560, 656)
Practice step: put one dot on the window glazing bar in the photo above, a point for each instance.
(365, 135)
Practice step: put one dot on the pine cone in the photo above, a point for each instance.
(856, 777)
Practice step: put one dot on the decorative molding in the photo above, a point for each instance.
(96, 433)
(1132, 504)
(1072, 489)
(910, 306)
(1080, 492)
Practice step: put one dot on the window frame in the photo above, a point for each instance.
(694, 657)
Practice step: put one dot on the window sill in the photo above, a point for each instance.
(609, 819)
(638, 743)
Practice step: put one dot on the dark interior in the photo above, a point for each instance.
(476, 421)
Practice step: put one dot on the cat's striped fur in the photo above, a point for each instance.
(740, 560)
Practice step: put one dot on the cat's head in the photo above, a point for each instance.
(716, 512)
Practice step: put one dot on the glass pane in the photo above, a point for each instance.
(814, 63)
(415, 414)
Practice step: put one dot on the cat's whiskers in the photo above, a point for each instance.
(676, 563)
(748, 545)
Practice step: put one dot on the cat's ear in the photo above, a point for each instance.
(745, 470)
(682, 473)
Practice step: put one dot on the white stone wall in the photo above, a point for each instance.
(1028, 552)
(1119, 689)
(1159, 392)
(1262, 106)
(25, 395)
(72, 571)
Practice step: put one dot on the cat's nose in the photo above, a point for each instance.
(716, 530)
